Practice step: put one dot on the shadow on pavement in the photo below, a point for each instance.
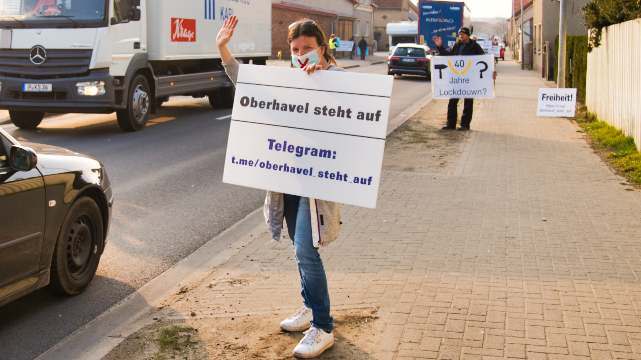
(38, 321)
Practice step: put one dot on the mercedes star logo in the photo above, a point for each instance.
(38, 55)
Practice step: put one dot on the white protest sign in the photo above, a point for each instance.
(320, 136)
(496, 51)
(463, 77)
(486, 45)
(555, 102)
(345, 46)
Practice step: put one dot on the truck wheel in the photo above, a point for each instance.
(26, 119)
(135, 116)
(222, 98)
(78, 248)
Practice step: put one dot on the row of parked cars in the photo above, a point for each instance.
(55, 208)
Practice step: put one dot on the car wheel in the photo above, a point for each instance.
(26, 119)
(78, 248)
(222, 98)
(135, 116)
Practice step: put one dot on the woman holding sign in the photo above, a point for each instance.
(310, 222)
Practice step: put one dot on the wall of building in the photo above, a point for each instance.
(390, 11)
(364, 23)
(338, 7)
(341, 17)
(283, 17)
(546, 21)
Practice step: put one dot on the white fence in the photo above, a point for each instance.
(613, 89)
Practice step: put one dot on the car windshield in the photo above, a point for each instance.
(410, 51)
(48, 11)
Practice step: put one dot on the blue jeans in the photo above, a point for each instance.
(310, 266)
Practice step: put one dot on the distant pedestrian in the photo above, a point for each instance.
(334, 43)
(362, 46)
(354, 47)
(311, 223)
(464, 46)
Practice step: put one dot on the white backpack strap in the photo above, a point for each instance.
(316, 226)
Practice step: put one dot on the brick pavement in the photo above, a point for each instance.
(512, 241)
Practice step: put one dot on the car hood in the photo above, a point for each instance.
(56, 160)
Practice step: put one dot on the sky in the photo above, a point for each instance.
(488, 8)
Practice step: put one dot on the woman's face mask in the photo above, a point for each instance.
(311, 58)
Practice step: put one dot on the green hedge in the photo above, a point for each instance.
(576, 63)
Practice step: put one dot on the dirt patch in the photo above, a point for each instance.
(247, 337)
(421, 145)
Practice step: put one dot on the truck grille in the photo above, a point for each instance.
(60, 63)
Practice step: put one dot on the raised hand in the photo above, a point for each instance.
(227, 31)
(438, 41)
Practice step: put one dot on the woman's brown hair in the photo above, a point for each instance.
(310, 28)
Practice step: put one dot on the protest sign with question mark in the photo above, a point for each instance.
(463, 77)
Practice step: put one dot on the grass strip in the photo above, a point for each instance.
(617, 148)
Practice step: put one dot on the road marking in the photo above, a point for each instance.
(224, 117)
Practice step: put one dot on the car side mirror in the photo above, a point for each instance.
(135, 14)
(22, 158)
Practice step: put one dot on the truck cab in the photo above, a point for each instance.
(94, 56)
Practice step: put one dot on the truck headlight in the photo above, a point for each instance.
(91, 88)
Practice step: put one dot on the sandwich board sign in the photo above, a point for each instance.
(555, 102)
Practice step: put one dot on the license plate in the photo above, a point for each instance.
(37, 87)
(409, 60)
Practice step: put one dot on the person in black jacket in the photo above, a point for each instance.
(362, 45)
(464, 46)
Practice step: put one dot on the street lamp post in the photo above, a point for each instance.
(521, 47)
(560, 80)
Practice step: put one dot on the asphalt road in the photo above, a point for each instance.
(170, 200)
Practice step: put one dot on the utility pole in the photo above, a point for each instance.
(560, 80)
(521, 47)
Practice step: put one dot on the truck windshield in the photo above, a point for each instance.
(52, 13)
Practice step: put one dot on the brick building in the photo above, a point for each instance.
(346, 18)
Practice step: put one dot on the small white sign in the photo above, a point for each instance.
(463, 77)
(320, 136)
(496, 51)
(555, 102)
(486, 45)
(345, 46)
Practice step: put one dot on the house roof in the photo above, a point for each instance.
(302, 8)
(516, 5)
(389, 4)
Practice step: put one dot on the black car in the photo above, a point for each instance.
(55, 207)
(410, 59)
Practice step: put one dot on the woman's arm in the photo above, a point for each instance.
(224, 37)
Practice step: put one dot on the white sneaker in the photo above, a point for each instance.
(300, 321)
(315, 342)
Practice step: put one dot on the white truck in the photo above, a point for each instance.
(127, 56)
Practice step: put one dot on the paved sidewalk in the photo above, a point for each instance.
(513, 240)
